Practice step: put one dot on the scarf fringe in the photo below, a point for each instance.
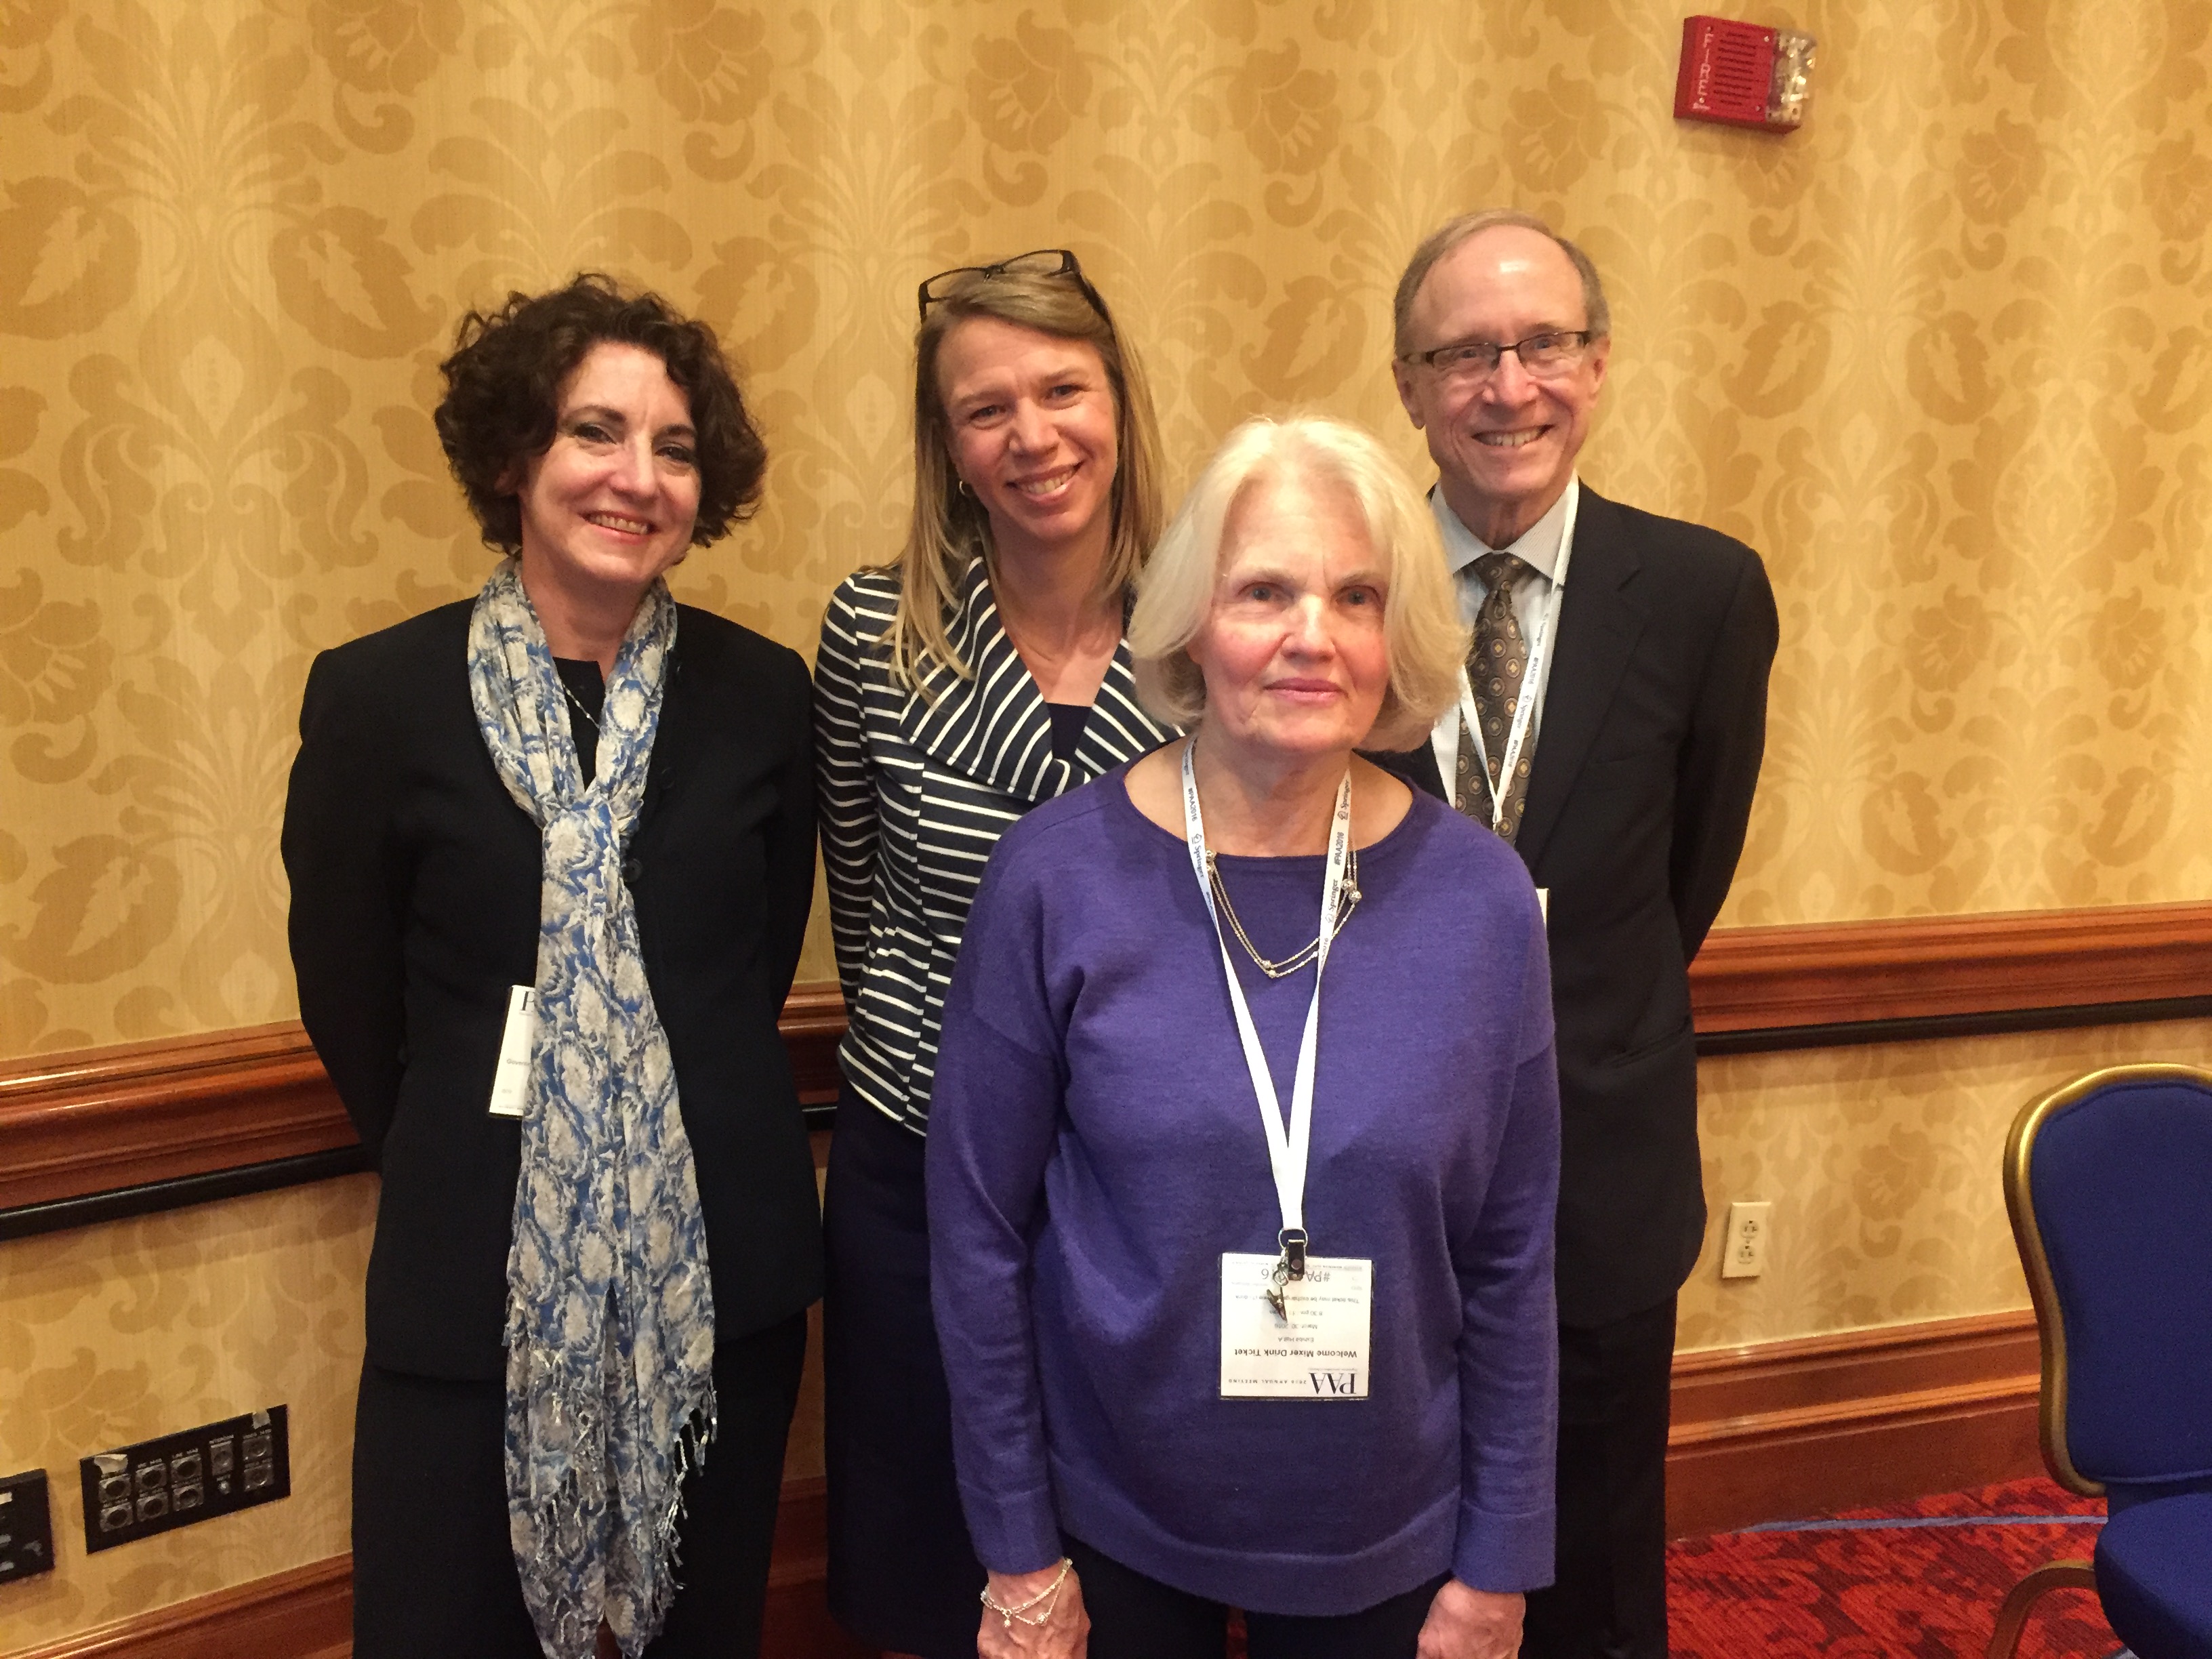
(689, 1458)
(575, 1619)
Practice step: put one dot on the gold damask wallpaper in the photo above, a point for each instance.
(117, 1333)
(1939, 356)
(1882, 1165)
(114, 1333)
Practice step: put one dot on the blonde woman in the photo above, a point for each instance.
(982, 673)
(1245, 1149)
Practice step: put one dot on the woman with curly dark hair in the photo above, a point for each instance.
(552, 856)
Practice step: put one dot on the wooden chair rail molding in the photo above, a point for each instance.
(1937, 968)
(102, 1120)
(99, 1119)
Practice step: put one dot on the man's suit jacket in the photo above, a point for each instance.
(1647, 752)
(414, 907)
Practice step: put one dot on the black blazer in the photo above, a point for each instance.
(414, 907)
(1652, 726)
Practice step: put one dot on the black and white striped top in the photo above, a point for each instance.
(914, 793)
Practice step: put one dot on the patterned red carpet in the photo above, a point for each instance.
(1921, 1581)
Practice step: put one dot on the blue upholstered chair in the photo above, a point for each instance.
(2109, 1184)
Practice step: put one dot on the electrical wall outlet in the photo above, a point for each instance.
(27, 1528)
(157, 1486)
(1743, 1248)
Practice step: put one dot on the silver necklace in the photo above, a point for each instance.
(1306, 953)
(577, 703)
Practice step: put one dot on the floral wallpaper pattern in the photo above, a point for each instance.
(1883, 1166)
(115, 1334)
(1939, 355)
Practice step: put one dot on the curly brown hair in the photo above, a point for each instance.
(503, 389)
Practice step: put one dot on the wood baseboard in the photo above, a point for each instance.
(1783, 1430)
(797, 1624)
(307, 1612)
(1767, 1433)
(304, 1614)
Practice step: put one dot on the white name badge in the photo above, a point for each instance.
(510, 1084)
(1316, 1349)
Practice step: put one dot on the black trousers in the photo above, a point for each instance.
(902, 1572)
(1609, 1601)
(433, 1572)
(1135, 1617)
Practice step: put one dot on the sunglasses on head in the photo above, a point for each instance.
(1043, 262)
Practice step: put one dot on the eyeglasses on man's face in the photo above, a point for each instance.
(1043, 262)
(1543, 356)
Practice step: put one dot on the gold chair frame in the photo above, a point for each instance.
(2050, 1328)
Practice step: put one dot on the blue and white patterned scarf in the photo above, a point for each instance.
(610, 1323)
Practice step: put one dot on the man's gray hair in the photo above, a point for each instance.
(1453, 232)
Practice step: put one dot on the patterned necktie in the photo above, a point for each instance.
(1494, 670)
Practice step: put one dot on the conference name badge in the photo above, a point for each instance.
(518, 1045)
(1315, 1348)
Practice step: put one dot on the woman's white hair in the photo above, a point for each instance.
(1425, 643)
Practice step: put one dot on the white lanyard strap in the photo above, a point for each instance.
(1287, 1144)
(1532, 678)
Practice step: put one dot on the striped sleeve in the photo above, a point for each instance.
(913, 791)
(844, 784)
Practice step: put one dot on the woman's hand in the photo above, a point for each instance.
(1471, 1624)
(1065, 1635)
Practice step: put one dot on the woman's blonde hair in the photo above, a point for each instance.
(949, 529)
(1425, 643)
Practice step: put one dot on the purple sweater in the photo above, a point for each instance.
(1095, 1146)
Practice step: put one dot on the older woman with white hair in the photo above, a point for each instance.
(1245, 1144)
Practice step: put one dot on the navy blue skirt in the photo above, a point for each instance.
(902, 1573)
(434, 1571)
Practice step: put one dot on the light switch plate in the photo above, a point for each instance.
(27, 1526)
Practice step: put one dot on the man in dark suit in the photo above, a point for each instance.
(1611, 728)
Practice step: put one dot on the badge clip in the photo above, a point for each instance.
(1290, 1265)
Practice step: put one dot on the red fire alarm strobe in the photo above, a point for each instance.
(1743, 75)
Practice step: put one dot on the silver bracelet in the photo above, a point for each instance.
(1049, 1595)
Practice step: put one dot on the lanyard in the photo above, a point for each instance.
(1287, 1144)
(1532, 678)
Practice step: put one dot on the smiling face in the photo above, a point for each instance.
(1504, 447)
(1029, 416)
(610, 503)
(1293, 651)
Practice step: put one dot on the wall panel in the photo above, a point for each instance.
(1883, 1164)
(115, 1333)
(1937, 355)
